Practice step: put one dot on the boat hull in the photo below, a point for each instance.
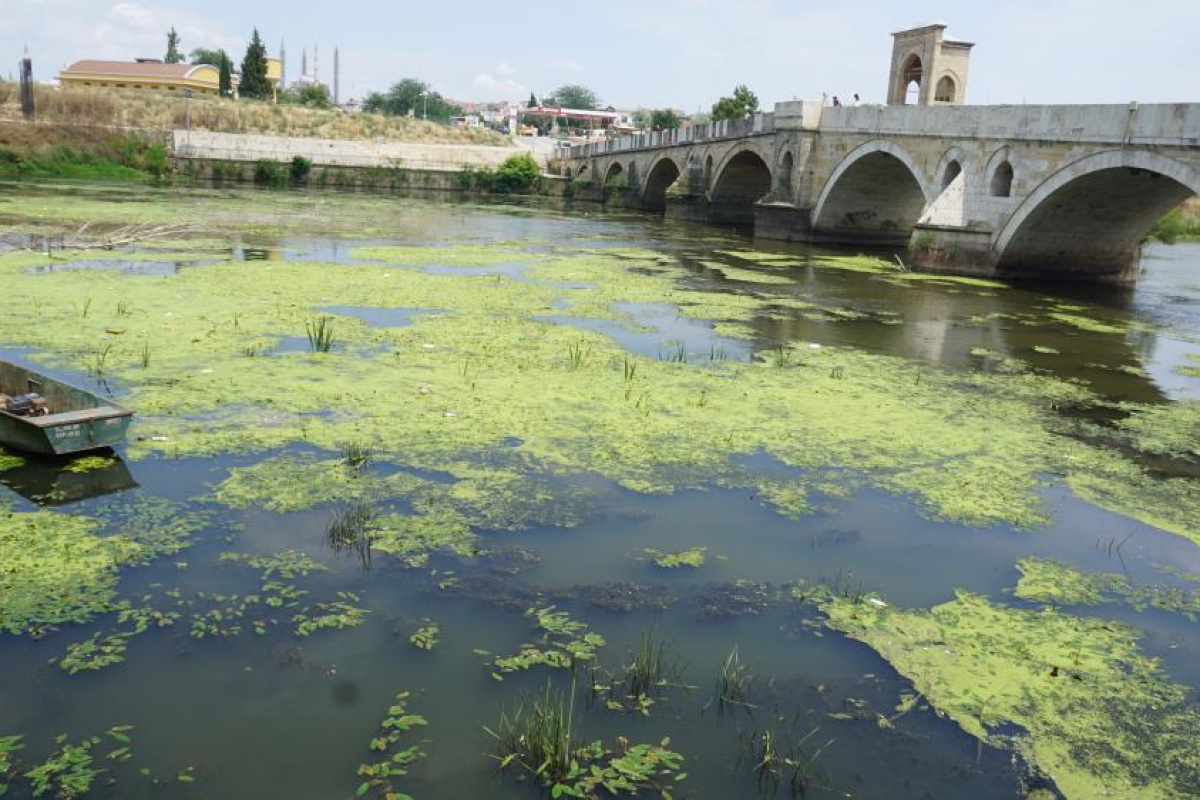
(80, 420)
(47, 436)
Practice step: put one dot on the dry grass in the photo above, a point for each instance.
(161, 111)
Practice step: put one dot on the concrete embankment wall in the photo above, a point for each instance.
(232, 147)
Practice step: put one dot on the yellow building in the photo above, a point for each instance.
(202, 78)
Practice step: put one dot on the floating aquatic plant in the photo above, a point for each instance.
(9, 745)
(71, 771)
(96, 653)
(1094, 713)
(425, 637)
(564, 644)
(397, 761)
(539, 739)
(693, 558)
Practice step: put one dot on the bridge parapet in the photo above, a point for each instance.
(1176, 124)
(725, 129)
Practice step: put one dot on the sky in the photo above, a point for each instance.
(651, 53)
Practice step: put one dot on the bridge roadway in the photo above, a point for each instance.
(1048, 192)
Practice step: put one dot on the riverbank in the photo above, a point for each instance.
(1183, 223)
(160, 112)
(78, 152)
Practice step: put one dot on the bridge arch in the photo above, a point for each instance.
(613, 172)
(875, 192)
(1088, 219)
(743, 178)
(662, 174)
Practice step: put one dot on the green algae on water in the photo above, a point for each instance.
(1095, 714)
(693, 558)
(461, 387)
(1050, 582)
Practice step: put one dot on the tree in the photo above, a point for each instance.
(532, 101)
(202, 55)
(314, 96)
(742, 103)
(411, 96)
(173, 54)
(225, 81)
(665, 119)
(254, 71)
(574, 96)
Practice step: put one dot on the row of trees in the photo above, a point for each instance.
(411, 96)
(741, 103)
(254, 82)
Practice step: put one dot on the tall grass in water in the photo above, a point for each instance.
(357, 456)
(320, 334)
(734, 683)
(577, 355)
(539, 735)
(350, 531)
(781, 760)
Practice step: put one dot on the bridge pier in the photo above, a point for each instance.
(686, 208)
(953, 250)
(783, 222)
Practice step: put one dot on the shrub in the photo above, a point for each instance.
(154, 160)
(517, 174)
(270, 173)
(301, 166)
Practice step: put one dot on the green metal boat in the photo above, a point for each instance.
(43, 415)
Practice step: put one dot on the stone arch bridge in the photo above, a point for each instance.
(1048, 192)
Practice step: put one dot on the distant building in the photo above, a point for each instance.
(146, 73)
(142, 74)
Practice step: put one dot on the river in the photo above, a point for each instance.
(477, 410)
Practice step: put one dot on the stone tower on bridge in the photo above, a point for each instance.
(936, 65)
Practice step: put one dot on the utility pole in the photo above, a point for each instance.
(282, 65)
(187, 116)
(27, 108)
(337, 78)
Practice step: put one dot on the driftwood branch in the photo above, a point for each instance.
(83, 237)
